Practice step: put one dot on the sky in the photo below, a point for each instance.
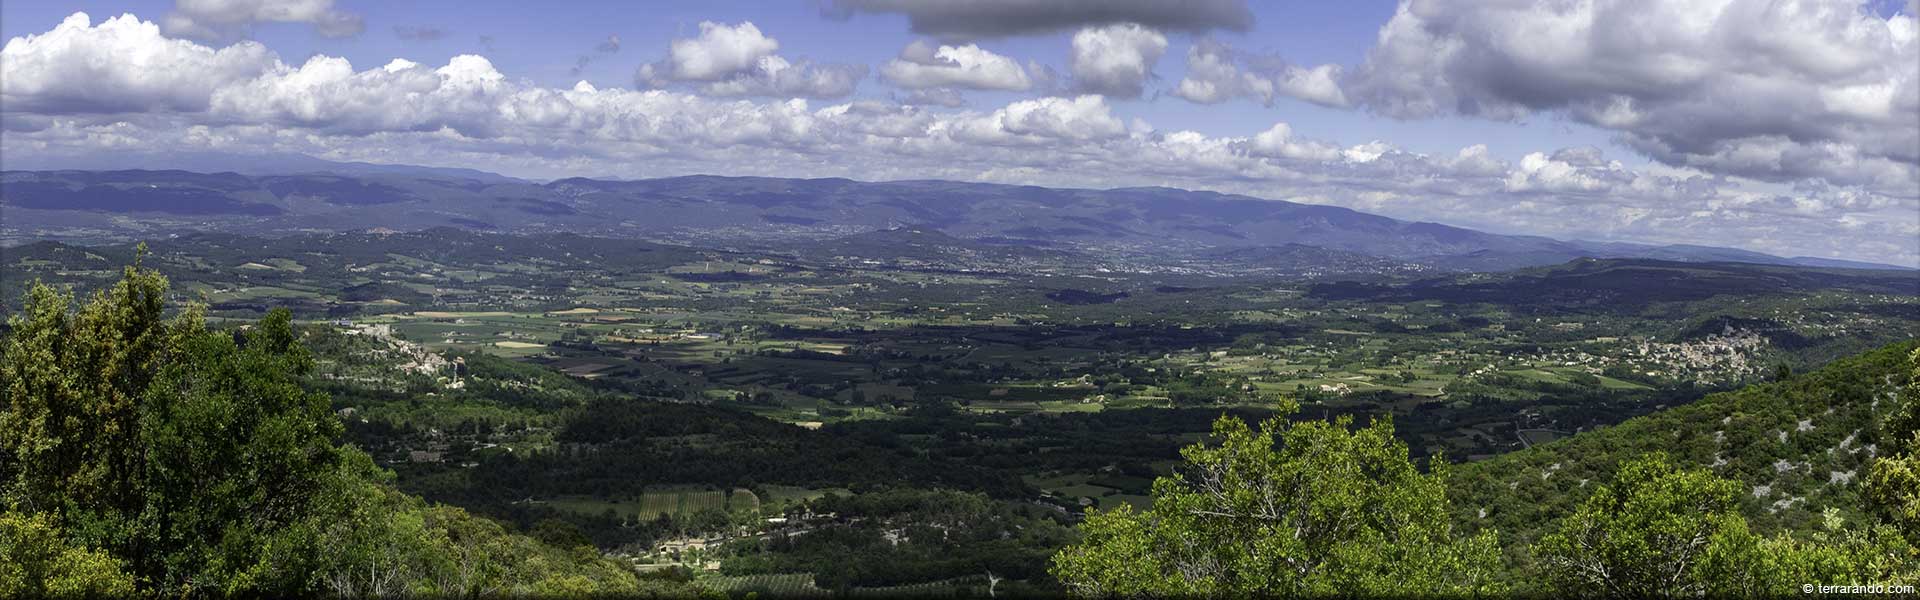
(1784, 126)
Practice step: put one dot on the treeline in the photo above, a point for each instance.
(142, 454)
(1814, 436)
(1321, 508)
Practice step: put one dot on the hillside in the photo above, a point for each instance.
(175, 458)
(706, 210)
(1797, 447)
(919, 247)
(1628, 283)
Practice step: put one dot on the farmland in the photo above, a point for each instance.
(742, 415)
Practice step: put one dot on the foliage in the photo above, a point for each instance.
(1740, 563)
(36, 561)
(1893, 487)
(1661, 531)
(150, 452)
(1753, 436)
(1328, 510)
(1643, 535)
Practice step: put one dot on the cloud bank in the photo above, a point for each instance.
(120, 86)
(739, 60)
(1784, 91)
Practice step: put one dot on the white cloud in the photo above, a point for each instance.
(922, 66)
(1215, 74)
(121, 65)
(1781, 90)
(1319, 85)
(738, 60)
(720, 52)
(119, 88)
(1115, 60)
(1042, 120)
(774, 76)
(1278, 142)
(229, 19)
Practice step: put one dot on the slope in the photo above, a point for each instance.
(1798, 446)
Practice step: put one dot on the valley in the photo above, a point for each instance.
(723, 411)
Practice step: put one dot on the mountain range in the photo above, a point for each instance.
(710, 211)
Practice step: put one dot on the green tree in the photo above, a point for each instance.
(1741, 564)
(1643, 535)
(145, 454)
(1893, 486)
(1314, 508)
(1660, 531)
(37, 562)
(70, 383)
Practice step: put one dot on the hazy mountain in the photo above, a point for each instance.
(1627, 283)
(280, 163)
(705, 210)
(915, 246)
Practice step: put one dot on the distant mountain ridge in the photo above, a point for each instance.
(711, 210)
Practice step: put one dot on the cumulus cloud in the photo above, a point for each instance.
(1041, 120)
(1216, 73)
(230, 19)
(63, 100)
(923, 66)
(121, 65)
(719, 52)
(995, 18)
(774, 76)
(739, 60)
(1115, 60)
(1279, 142)
(1781, 91)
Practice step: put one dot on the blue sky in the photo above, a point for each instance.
(1785, 126)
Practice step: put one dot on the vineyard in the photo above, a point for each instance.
(786, 585)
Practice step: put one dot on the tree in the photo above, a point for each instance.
(195, 455)
(1326, 510)
(1643, 535)
(1659, 531)
(142, 454)
(1741, 564)
(36, 562)
(1893, 486)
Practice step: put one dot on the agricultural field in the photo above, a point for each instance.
(740, 414)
